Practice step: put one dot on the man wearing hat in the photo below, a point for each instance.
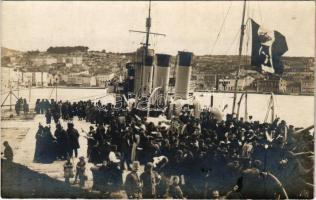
(91, 141)
(80, 171)
(73, 139)
(132, 183)
(68, 170)
(215, 194)
(62, 141)
(149, 181)
(175, 190)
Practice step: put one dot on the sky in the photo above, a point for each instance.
(190, 26)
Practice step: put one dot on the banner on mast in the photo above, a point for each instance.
(267, 48)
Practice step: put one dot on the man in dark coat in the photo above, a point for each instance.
(17, 107)
(73, 136)
(25, 106)
(48, 116)
(62, 142)
(37, 106)
(91, 141)
(42, 106)
(132, 183)
(175, 190)
(149, 180)
(126, 147)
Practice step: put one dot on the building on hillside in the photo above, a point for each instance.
(10, 77)
(82, 80)
(307, 86)
(53, 79)
(301, 75)
(275, 85)
(50, 60)
(70, 59)
(41, 79)
(93, 81)
(77, 60)
(40, 60)
(210, 81)
(228, 84)
(102, 79)
(293, 87)
(86, 72)
(28, 79)
(63, 79)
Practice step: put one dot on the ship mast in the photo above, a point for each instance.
(145, 46)
(148, 26)
(242, 33)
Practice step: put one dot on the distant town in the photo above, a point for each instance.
(80, 67)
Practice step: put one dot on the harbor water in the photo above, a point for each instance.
(295, 110)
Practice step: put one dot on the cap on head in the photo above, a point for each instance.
(215, 194)
(149, 166)
(176, 180)
(135, 165)
(70, 124)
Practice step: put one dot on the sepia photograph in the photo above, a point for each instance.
(157, 99)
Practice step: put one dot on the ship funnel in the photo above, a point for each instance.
(143, 70)
(148, 69)
(162, 71)
(149, 61)
(183, 75)
(137, 77)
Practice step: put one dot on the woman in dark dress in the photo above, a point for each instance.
(39, 144)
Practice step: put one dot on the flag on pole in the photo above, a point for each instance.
(267, 48)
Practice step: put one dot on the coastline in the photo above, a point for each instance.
(197, 91)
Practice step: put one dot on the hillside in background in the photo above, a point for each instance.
(9, 52)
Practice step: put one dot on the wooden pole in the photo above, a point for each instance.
(242, 33)
(56, 90)
(272, 108)
(145, 53)
(238, 104)
(212, 100)
(10, 97)
(246, 106)
(10, 92)
(5, 99)
(18, 87)
(30, 88)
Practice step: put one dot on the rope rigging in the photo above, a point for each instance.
(233, 42)
(221, 28)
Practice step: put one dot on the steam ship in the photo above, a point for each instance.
(148, 86)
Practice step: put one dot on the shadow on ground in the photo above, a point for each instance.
(18, 181)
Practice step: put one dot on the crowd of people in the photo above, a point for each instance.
(59, 145)
(88, 110)
(21, 105)
(186, 156)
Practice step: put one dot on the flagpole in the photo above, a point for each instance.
(242, 33)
